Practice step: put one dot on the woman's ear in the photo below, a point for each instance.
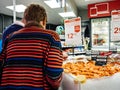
(43, 23)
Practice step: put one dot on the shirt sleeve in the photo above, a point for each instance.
(2, 59)
(53, 64)
(3, 54)
(9, 30)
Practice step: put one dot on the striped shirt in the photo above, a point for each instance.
(32, 60)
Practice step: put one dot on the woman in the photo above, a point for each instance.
(32, 56)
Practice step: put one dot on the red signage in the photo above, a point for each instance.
(103, 9)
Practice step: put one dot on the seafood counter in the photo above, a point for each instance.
(83, 74)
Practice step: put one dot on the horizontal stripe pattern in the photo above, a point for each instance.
(33, 60)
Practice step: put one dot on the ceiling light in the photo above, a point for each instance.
(87, 0)
(18, 8)
(55, 4)
(67, 14)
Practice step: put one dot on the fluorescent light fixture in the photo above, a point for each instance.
(87, 0)
(18, 8)
(67, 14)
(55, 4)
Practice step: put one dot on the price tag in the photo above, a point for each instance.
(115, 25)
(101, 60)
(94, 57)
(73, 31)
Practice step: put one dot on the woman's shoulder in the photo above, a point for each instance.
(53, 34)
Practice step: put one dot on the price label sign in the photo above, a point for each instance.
(101, 60)
(115, 25)
(73, 32)
(94, 57)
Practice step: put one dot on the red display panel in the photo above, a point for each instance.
(103, 9)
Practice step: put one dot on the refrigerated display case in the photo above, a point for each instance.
(100, 33)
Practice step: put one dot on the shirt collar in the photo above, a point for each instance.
(19, 23)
